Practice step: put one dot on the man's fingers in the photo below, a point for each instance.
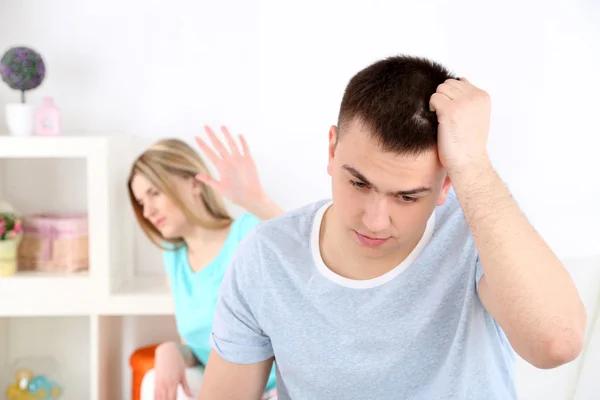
(438, 101)
(457, 84)
(449, 90)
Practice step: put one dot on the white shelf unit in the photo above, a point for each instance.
(79, 318)
(57, 295)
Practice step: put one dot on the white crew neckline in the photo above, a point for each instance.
(367, 283)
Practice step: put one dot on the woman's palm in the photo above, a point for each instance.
(238, 178)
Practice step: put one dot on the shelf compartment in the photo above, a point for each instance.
(31, 342)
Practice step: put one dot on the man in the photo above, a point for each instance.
(416, 281)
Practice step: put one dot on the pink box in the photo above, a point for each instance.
(54, 242)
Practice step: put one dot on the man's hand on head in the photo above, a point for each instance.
(463, 112)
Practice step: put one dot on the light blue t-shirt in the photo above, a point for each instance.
(195, 293)
(418, 332)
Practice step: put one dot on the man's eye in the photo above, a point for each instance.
(409, 199)
(358, 185)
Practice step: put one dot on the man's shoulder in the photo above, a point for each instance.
(450, 213)
(451, 228)
(294, 224)
(285, 237)
(279, 242)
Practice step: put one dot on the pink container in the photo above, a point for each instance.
(54, 242)
(47, 119)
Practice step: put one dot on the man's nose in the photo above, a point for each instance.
(376, 216)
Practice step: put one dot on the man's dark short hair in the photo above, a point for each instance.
(390, 99)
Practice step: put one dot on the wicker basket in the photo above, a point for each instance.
(54, 242)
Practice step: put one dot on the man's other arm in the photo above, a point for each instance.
(224, 380)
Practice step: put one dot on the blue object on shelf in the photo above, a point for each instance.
(44, 389)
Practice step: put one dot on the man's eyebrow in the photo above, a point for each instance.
(418, 190)
(358, 175)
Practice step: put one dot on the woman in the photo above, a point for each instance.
(178, 205)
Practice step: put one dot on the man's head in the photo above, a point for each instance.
(386, 175)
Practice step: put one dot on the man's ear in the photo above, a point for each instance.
(445, 189)
(333, 132)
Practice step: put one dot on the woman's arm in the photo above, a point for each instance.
(264, 208)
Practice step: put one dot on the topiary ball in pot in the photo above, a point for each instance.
(22, 69)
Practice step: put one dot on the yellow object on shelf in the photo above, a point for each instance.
(11, 234)
(27, 386)
(19, 389)
(8, 256)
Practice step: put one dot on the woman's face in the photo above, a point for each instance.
(160, 210)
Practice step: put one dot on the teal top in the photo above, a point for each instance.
(195, 293)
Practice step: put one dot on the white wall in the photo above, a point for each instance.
(275, 71)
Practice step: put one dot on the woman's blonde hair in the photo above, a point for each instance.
(159, 163)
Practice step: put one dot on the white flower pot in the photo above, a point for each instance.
(19, 119)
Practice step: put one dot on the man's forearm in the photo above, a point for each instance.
(528, 291)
